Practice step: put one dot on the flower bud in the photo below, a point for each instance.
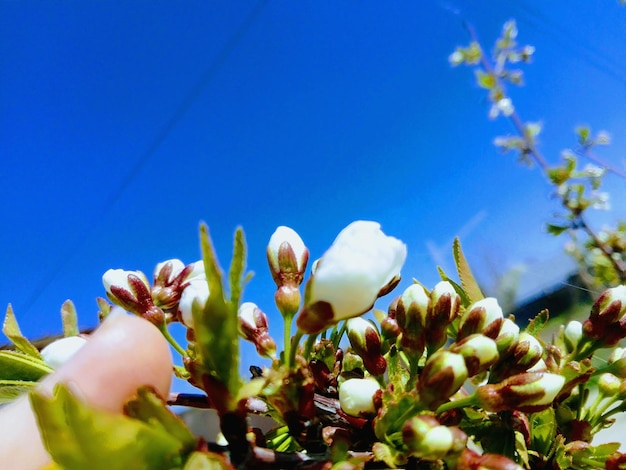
(507, 337)
(484, 316)
(411, 311)
(197, 290)
(365, 341)
(443, 309)
(356, 396)
(131, 291)
(253, 327)
(607, 320)
(169, 277)
(528, 392)
(442, 376)
(609, 385)
(361, 263)
(572, 334)
(426, 439)
(60, 351)
(389, 325)
(287, 257)
(479, 352)
(527, 352)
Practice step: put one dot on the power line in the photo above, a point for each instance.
(151, 150)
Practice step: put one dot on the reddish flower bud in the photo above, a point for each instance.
(253, 327)
(484, 316)
(479, 352)
(411, 311)
(426, 439)
(131, 291)
(287, 257)
(607, 320)
(365, 341)
(442, 376)
(527, 392)
(442, 310)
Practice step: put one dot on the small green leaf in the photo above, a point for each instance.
(69, 319)
(12, 389)
(79, 437)
(104, 308)
(543, 430)
(237, 267)
(216, 326)
(465, 300)
(468, 281)
(15, 365)
(12, 331)
(538, 323)
(485, 80)
(150, 408)
(555, 229)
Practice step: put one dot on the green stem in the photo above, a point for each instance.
(295, 341)
(170, 339)
(308, 346)
(288, 320)
(339, 335)
(460, 403)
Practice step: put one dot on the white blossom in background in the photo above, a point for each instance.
(197, 290)
(60, 351)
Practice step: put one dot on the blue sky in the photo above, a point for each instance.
(124, 124)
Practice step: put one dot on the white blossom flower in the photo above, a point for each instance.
(119, 278)
(60, 351)
(356, 396)
(287, 256)
(361, 263)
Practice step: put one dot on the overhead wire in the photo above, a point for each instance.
(160, 137)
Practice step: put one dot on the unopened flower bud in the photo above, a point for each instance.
(253, 326)
(572, 334)
(411, 311)
(287, 257)
(443, 309)
(607, 320)
(365, 341)
(507, 337)
(169, 277)
(356, 396)
(528, 392)
(527, 352)
(131, 291)
(426, 439)
(60, 351)
(479, 352)
(196, 291)
(609, 385)
(484, 316)
(361, 263)
(442, 376)
(389, 325)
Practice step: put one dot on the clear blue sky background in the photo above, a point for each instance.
(123, 124)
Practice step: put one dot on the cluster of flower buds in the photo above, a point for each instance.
(253, 327)
(175, 289)
(427, 439)
(287, 257)
(423, 318)
(362, 264)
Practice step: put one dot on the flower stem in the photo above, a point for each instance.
(460, 403)
(170, 339)
(295, 341)
(288, 320)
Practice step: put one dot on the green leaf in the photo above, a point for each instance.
(543, 430)
(389, 455)
(15, 365)
(538, 323)
(484, 79)
(465, 300)
(216, 326)
(69, 319)
(148, 407)
(468, 281)
(237, 267)
(12, 389)
(12, 331)
(555, 229)
(79, 437)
